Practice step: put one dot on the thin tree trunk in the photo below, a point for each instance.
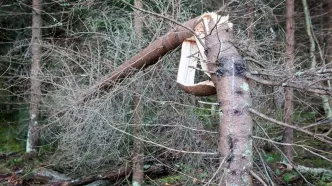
(251, 19)
(138, 153)
(35, 95)
(329, 33)
(288, 110)
(327, 101)
(233, 94)
(310, 34)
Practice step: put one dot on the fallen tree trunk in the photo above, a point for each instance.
(52, 178)
(148, 56)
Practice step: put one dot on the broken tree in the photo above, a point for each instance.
(235, 129)
(226, 69)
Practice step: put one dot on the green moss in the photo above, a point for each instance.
(170, 179)
(272, 157)
(289, 176)
(8, 141)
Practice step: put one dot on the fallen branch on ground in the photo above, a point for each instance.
(52, 178)
(315, 171)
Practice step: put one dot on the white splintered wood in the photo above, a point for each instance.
(192, 51)
(188, 63)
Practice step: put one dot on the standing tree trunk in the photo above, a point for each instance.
(288, 110)
(138, 154)
(327, 101)
(325, 98)
(251, 19)
(329, 33)
(233, 94)
(35, 94)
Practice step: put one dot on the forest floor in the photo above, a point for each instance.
(15, 167)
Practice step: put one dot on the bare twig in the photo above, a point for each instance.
(289, 126)
(318, 123)
(258, 178)
(320, 90)
(169, 19)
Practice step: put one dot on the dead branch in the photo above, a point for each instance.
(318, 90)
(263, 81)
(258, 178)
(289, 126)
(318, 123)
(168, 19)
(115, 176)
(314, 171)
(148, 56)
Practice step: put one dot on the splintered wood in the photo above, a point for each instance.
(193, 52)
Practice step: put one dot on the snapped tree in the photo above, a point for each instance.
(228, 73)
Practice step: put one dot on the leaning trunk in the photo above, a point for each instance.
(234, 98)
(35, 95)
(146, 57)
(288, 110)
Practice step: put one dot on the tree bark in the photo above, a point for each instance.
(288, 109)
(327, 101)
(251, 19)
(234, 97)
(329, 33)
(138, 153)
(35, 94)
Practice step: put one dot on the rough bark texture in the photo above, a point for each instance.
(288, 110)
(35, 95)
(148, 56)
(138, 154)
(234, 98)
